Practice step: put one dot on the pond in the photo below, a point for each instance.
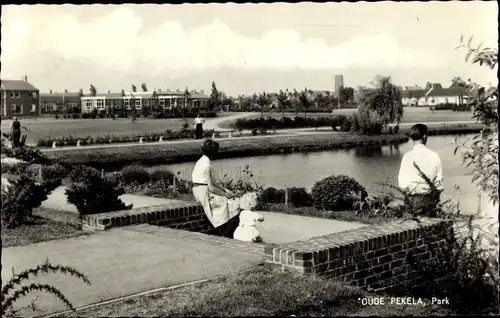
(369, 166)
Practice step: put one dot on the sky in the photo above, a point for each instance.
(244, 48)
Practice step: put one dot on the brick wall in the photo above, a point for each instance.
(177, 215)
(373, 256)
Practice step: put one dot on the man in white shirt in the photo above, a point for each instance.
(424, 198)
(198, 123)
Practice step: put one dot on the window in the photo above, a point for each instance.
(34, 95)
(127, 103)
(33, 108)
(88, 104)
(16, 109)
(100, 104)
(162, 102)
(138, 103)
(18, 95)
(12, 95)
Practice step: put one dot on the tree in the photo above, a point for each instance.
(263, 100)
(305, 101)
(214, 101)
(155, 101)
(93, 91)
(134, 89)
(346, 95)
(187, 98)
(144, 87)
(123, 100)
(318, 99)
(385, 100)
(133, 111)
(283, 98)
(457, 82)
(482, 154)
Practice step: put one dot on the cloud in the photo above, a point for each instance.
(120, 42)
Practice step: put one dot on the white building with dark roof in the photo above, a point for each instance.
(165, 99)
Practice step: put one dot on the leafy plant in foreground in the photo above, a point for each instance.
(14, 289)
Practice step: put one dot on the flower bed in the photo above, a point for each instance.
(114, 139)
(113, 158)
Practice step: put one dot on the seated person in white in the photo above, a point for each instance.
(220, 205)
(247, 231)
(423, 199)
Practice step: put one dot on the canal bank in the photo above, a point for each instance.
(115, 157)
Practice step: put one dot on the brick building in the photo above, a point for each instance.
(61, 102)
(19, 98)
(168, 100)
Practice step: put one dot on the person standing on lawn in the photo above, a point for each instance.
(15, 132)
(423, 197)
(198, 123)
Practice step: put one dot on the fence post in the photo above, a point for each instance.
(40, 173)
(102, 173)
(286, 196)
(174, 185)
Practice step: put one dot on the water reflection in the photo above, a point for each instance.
(370, 166)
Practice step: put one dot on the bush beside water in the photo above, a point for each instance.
(93, 193)
(345, 123)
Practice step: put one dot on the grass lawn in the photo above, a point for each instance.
(257, 293)
(46, 225)
(49, 127)
(411, 115)
(114, 157)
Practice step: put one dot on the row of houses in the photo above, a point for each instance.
(20, 98)
(433, 94)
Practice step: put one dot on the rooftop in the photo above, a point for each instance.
(18, 85)
(193, 94)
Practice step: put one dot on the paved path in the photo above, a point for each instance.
(283, 228)
(214, 125)
(125, 261)
(57, 200)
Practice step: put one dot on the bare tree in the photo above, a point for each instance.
(283, 99)
(305, 101)
(263, 100)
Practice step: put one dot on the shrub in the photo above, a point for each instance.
(135, 174)
(272, 195)
(336, 193)
(346, 125)
(299, 197)
(19, 199)
(49, 172)
(25, 153)
(91, 193)
(163, 175)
